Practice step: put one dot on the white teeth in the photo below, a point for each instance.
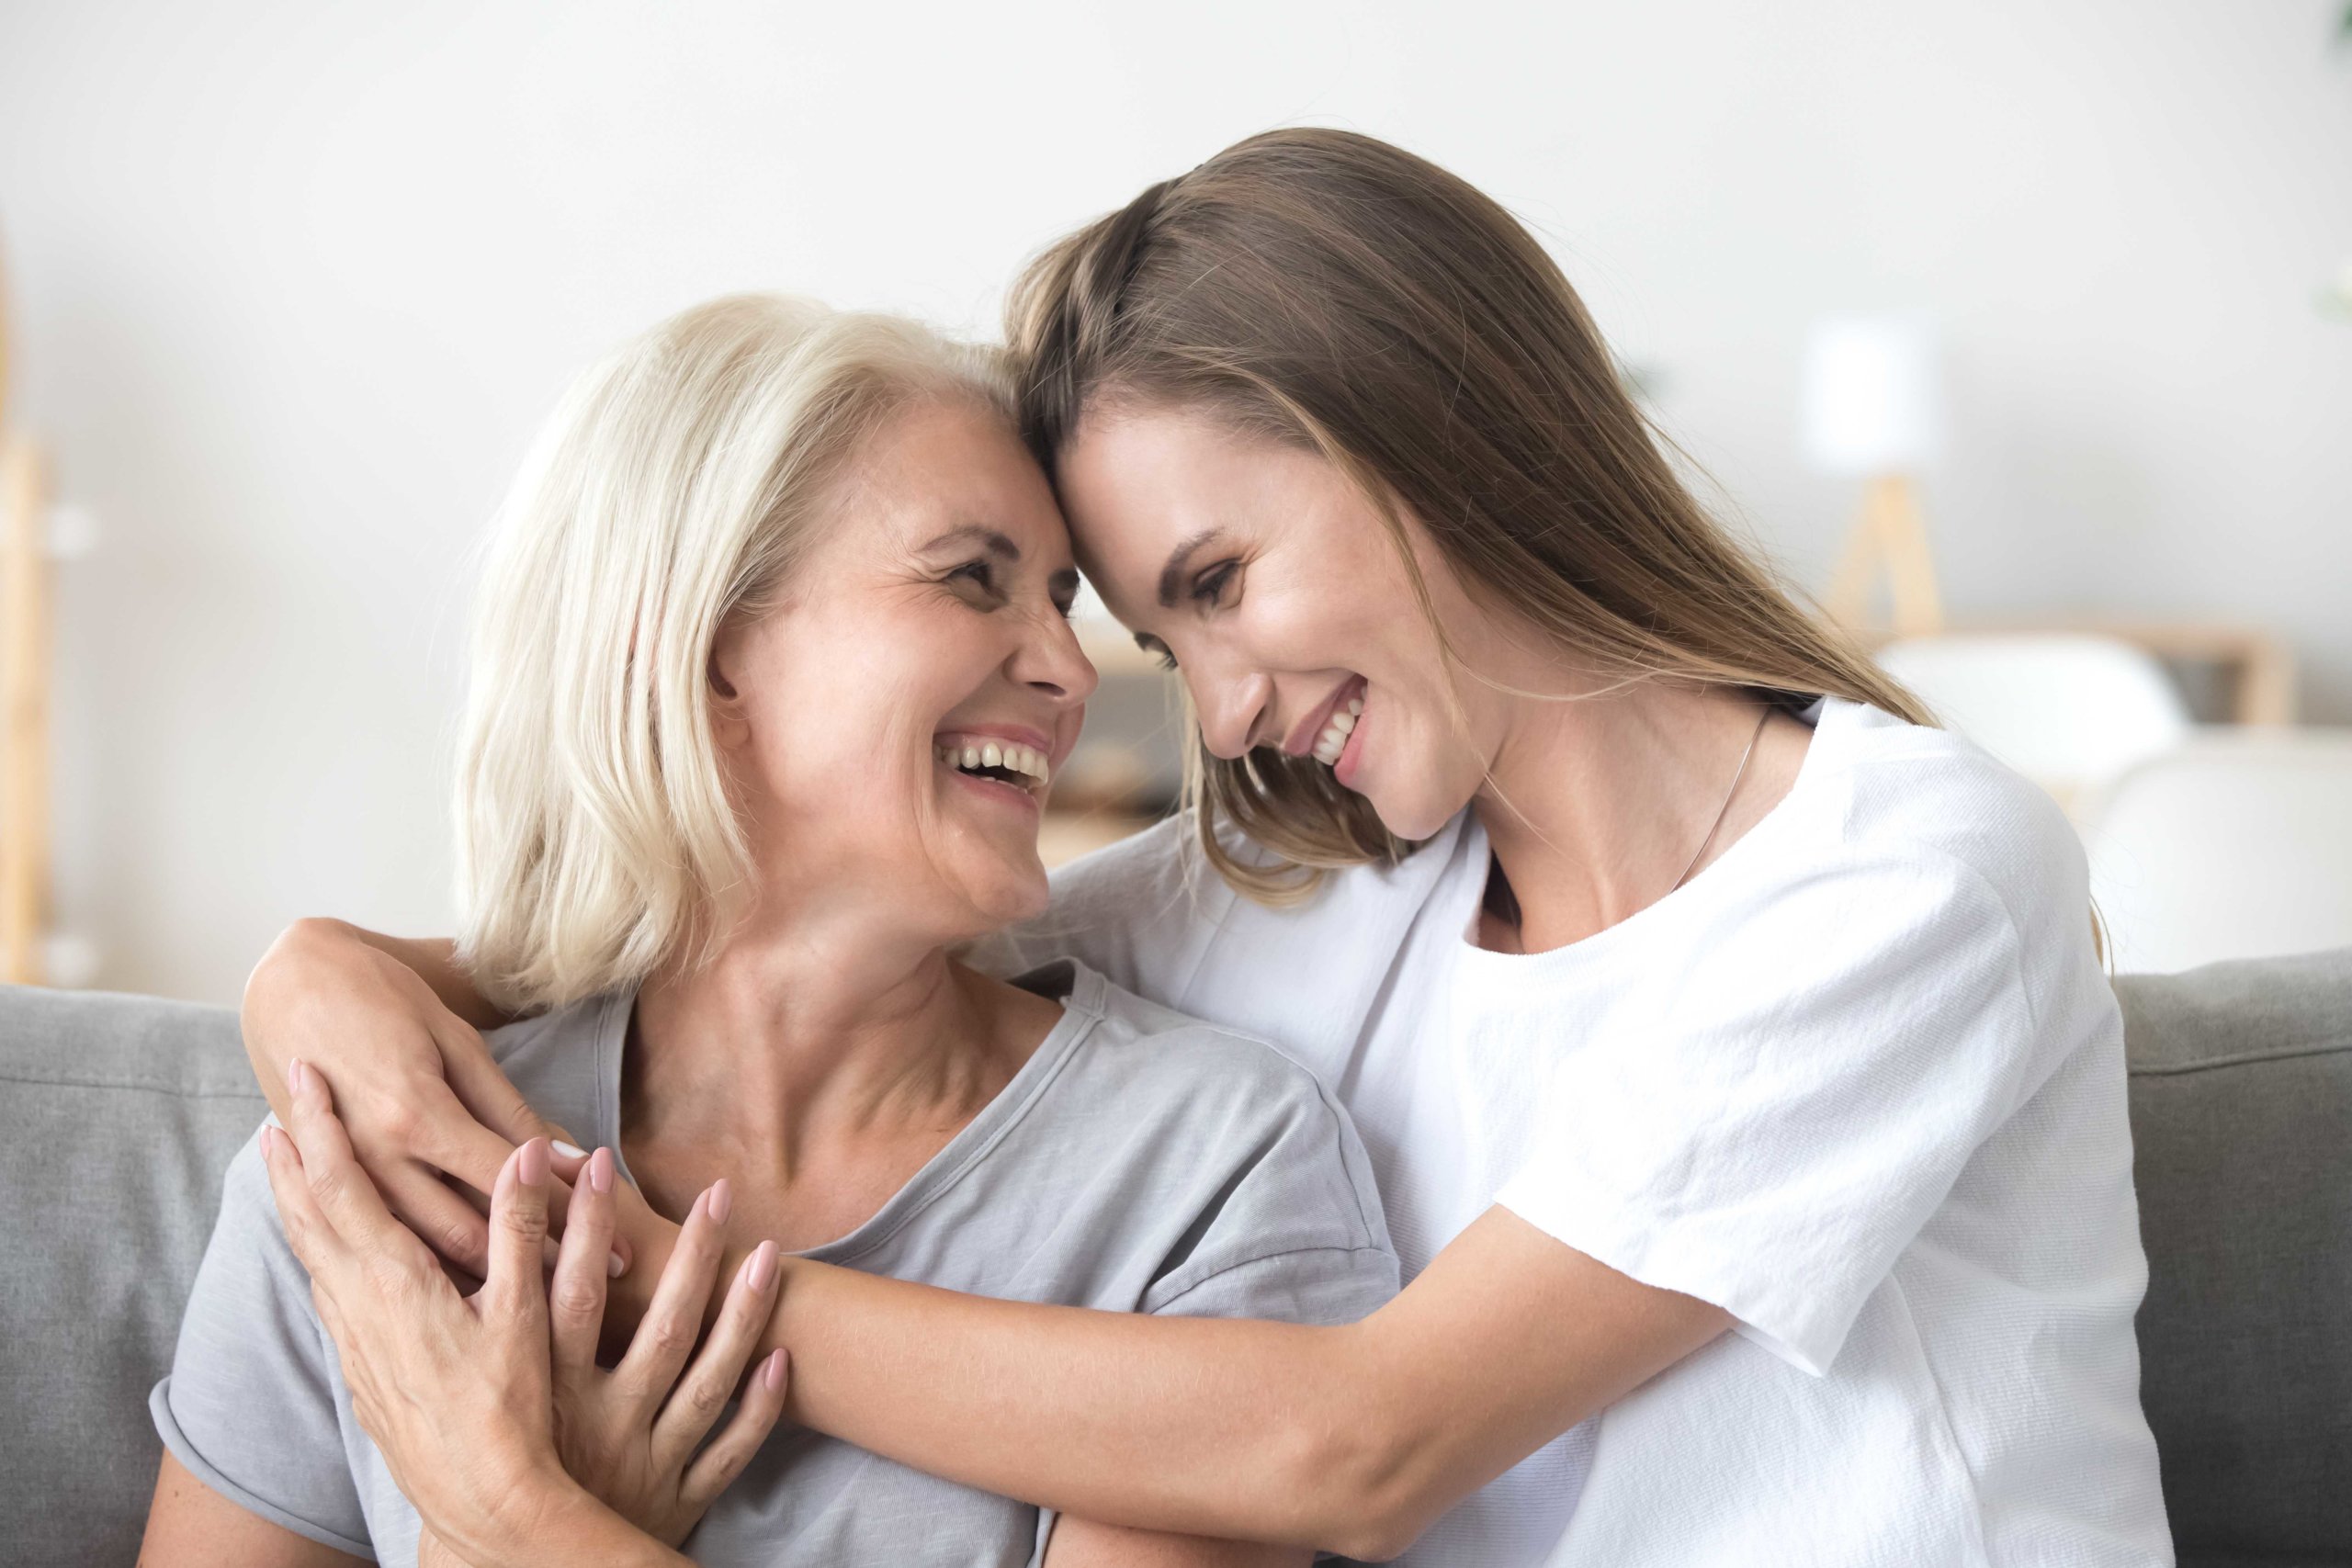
(1009, 755)
(1334, 739)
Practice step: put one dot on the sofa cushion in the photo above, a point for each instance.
(2242, 1125)
(117, 1115)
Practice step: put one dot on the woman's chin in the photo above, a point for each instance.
(1009, 892)
(1413, 819)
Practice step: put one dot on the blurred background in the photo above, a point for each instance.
(2021, 332)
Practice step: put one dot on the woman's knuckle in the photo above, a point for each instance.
(397, 1123)
(458, 1240)
(575, 1298)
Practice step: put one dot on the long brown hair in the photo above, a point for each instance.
(1328, 290)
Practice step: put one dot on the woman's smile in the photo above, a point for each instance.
(1010, 765)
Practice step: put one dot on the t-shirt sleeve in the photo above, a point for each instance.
(1294, 1230)
(250, 1405)
(1803, 1094)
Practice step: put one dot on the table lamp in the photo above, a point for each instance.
(1872, 412)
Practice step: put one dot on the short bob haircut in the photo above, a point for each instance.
(675, 487)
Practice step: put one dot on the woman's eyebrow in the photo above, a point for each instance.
(1174, 569)
(989, 539)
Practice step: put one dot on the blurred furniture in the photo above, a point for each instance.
(2069, 711)
(122, 1112)
(2252, 668)
(2236, 844)
(1872, 410)
(24, 689)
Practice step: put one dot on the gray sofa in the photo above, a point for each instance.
(120, 1113)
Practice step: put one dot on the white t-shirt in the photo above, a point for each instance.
(1859, 1082)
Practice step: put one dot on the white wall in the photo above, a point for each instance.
(294, 281)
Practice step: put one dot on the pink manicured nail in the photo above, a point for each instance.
(600, 1170)
(294, 1076)
(614, 1266)
(568, 1151)
(268, 1148)
(532, 1169)
(773, 1374)
(722, 1200)
(764, 1266)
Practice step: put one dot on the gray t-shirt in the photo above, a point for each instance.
(1140, 1161)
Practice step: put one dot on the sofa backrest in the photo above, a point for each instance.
(117, 1116)
(121, 1113)
(2241, 1128)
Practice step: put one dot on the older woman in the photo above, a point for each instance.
(771, 669)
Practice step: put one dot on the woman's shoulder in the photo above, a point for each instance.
(1213, 1095)
(1163, 1055)
(1907, 798)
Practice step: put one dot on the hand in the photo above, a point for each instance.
(432, 1552)
(421, 1096)
(630, 1436)
(455, 1391)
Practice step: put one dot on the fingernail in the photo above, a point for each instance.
(532, 1169)
(600, 1170)
(568, 1151)
(613, 1265)
(268, 1148)
(764, 1266)
(773, 1374)
(721, 1200)
(294, 1076)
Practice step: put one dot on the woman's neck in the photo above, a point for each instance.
(799, 1044)
(1597, 805)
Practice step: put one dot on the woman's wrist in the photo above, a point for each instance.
(555, 1519)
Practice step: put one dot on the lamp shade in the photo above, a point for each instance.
(1872, 396)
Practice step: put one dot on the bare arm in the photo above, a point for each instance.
(191, 1525)
(1352, 1440)
(1081, 1543)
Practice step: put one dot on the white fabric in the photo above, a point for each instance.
(1859, 1082)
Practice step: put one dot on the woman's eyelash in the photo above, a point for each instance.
(1210, 585)
(978, 571)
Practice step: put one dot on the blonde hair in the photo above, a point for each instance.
(675, 487)
(1330, 290)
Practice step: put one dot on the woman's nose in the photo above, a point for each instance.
(1051, 661)
(1230, 708)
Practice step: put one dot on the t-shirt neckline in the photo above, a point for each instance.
(1082, 1007)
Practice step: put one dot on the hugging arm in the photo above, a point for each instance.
(1351, 1438)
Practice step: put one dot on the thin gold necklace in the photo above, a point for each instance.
(1720, 811)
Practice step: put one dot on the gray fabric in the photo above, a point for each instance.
(117, 1115)
(1139, 1162)
(2241, 1119)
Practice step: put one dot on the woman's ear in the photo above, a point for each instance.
(730, 725)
